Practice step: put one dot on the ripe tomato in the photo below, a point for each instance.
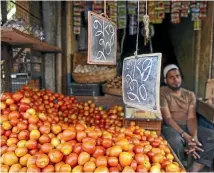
(99, 151)
(31, 144)
(66, 148)
(31, 161)
(165, 163)
(55, 156)
(101, 161)
(128, 169)
(49, 168)
(72, 159)
(89, 166)
(35, 134)
(23, 160)
(158, 158)
(112, 161)
(69, 134)
(47, 147)
(102, 169)
(114, 170)
(15, 168)
(77, 169)
(89, 146)
(80, 136)
(106, 143)
(65, 168)
(138, 149)
(125, 158)
(58, 165)
(33, 168)
(24, 135)
(140, 158)
(4, 168)
(115, 151)
(21, 151)
(123, 143)
(83, 158)
(42, 161)
(77, 148)
(17, 96)
(9, 158)
(172, 167)
(44, 139)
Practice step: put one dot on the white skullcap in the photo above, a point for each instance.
(168, 68)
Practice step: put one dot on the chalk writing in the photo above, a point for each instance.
(140, 81)
(102, 40)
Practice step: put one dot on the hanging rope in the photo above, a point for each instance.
(146, 25)
(105, 7)
(138, 13)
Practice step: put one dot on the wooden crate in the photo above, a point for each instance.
(154, 125)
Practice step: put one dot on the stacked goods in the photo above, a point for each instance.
(42, 131)
(89, 68)
(93, 73)
(114, 86)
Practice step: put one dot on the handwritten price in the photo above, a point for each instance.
(135, 91)
(104, 31)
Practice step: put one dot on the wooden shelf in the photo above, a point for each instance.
(18, 38)
(206, 110)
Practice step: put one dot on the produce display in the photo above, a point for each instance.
(42, 131)
(89, 68)
(115, 83)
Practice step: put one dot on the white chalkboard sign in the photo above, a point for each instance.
(102, 40)
(141, 81)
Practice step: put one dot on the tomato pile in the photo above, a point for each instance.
(42, 131)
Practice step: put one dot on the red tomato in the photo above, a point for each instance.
(106, 143)
(55, 156)
(72, 159)
(89, 146)
(99, 151)
(112, 161)
(42, 161)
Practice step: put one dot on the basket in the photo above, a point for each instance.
(95, 77)
(153, 125)
(113, 91)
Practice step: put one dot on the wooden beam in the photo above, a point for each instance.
(59, 44)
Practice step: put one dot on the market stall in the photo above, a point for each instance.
(109, 120)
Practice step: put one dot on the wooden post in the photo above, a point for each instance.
(59, 44)
(4, 11)
(197, 58)
(49, 19)
(6, 82)
(71, 44)
(68, 40)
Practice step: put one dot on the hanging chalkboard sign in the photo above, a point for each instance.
(102, 40)
(141, 81)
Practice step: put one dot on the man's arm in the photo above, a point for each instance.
(192, 122)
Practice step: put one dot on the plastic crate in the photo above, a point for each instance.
(153, 125)
(77, 89)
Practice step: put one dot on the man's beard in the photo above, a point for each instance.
(174, 88)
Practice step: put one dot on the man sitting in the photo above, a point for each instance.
(180, 123)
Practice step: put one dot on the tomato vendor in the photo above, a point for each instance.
(180, 122)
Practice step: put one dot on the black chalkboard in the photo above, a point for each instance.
(102, 40)
(141, 81)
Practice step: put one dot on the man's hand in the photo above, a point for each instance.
(193, 153)
(193, 146)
